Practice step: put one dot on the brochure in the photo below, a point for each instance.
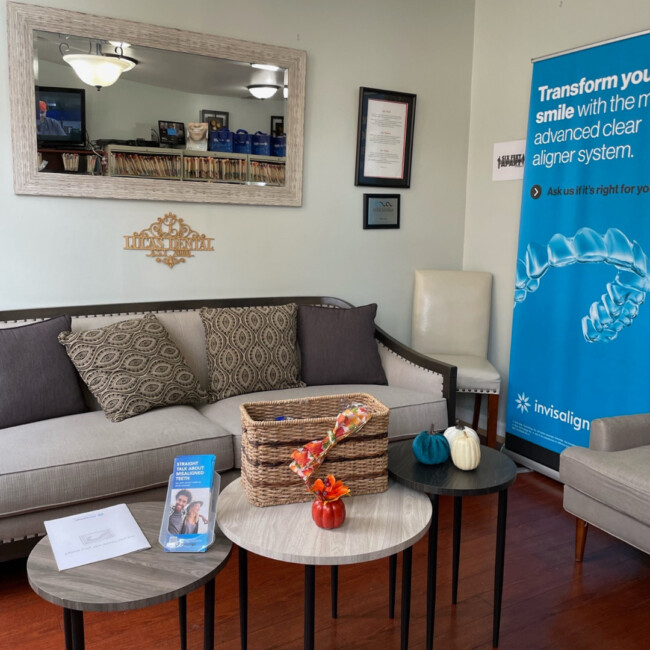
(93, 536)
(189, 518)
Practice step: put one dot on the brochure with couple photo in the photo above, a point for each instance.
(189, 518)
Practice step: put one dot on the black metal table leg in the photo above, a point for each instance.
(392, 576)
(75, 626)
(208, 615)
(182, 621)
(458, 516)
(499, 564)
(432, 568)
(334, 586)
(407, 562)
(243, 597)
(310, 601)
(67, 629)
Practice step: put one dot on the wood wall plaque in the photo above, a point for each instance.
(169, 241)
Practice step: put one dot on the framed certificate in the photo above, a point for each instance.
(384, 138)
(380, 211)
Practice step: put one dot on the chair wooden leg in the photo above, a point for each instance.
(477, 411)
(581, 538)
(493, 413)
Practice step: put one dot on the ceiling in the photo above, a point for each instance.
(185, 72)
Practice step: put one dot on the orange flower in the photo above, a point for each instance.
(330, 489)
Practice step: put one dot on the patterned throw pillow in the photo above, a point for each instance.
(251, 349)
(132, 366)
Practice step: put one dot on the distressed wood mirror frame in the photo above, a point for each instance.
(24, 19)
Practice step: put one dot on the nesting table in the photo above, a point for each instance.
(495, 473)
(147, 577)
(376, 526)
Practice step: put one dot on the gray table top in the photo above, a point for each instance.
(131, 581)
(376, 525)
(495, 472)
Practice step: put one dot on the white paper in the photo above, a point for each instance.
(508, 160)
(385, 139)
(93, 536)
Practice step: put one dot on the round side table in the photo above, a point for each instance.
(495, 473)
(376, 526)
(147, 577)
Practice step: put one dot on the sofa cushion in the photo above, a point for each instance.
(251, 349)
(37, 380)
(94, 458)
(619, 479)
(338, 346)
(132, 366)
(410, 411)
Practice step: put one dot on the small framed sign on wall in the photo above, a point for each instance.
(380, 211)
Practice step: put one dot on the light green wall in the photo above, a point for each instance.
(58, 251)
(507, 35)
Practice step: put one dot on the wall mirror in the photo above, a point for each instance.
(180, 78)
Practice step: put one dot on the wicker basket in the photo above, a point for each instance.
(360, 460)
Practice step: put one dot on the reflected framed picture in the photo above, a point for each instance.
(384, 138)
(277, 125)
(381, 211)
(215, 119)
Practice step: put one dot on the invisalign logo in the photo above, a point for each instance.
(522, 402)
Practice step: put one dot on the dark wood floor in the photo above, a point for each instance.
(548, 601)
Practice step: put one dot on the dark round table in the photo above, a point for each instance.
(495, 473)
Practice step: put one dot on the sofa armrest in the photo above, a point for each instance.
(620, 432)
(407, 368)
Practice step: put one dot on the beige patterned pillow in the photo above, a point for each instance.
(132, 366)
(251, 349)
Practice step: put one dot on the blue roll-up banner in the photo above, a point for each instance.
(580, 332)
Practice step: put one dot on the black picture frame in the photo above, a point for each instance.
(384, 170)
(277, 122)
(381, 211)
(216, 119)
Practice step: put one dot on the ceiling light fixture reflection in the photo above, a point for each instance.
(265, 66)
(99, 69)
(263, 91)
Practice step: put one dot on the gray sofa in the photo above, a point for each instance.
(59, 466)
(608, 484)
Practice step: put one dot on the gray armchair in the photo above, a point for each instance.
(608, 485)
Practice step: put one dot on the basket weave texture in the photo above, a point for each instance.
(360, 460)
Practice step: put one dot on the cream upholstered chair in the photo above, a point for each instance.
(451, 322)
(608, 484)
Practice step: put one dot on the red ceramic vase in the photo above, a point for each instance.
(328, 514)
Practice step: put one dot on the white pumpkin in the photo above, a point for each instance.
(452, 432)
(465, 452)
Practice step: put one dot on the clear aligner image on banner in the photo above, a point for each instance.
(580, 329)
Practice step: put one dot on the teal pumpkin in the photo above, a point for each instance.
(431, 449)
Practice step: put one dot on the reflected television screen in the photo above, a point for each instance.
(60, 116)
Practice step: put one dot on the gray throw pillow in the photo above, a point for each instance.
(133, 366)
(338, 346)
(37, 380)
(251, 349)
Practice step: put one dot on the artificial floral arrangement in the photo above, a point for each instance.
(327, 510)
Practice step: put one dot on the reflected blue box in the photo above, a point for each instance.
(261, 145)
(221, 140)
